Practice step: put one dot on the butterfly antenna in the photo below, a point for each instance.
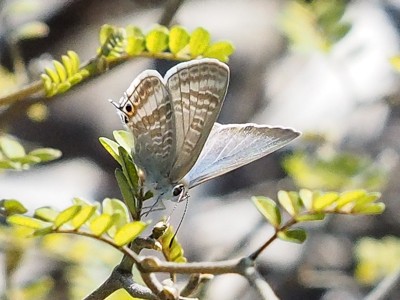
(114, 103)
(152, 207)
(182, 197)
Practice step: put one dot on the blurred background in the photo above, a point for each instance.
(326, 68)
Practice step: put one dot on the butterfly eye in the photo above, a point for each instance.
(177, 190)
(128, 107)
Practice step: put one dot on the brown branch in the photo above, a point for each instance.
(256, 253)
(258, 282)
(117, 280)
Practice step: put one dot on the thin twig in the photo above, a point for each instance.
(256, 253)
(382, 290)
(22, 93)
(258, 282)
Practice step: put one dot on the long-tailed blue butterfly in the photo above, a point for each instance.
(178, 143)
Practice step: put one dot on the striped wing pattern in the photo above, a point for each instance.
(232, 146)
(197, 90)
(147, 104)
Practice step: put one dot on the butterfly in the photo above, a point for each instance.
(177, 142)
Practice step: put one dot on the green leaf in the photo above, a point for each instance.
(127, 193)
(101, 224)
(83, 202)
(348, 197)
(306, 197)
(290, 201)
(178, 38)
(129, 232)
(268, 209)
(125, 139)
(118, 208)
(370, 209)
(129, 169)
(53, 75)
(199, 41)
(60, 70)
(220, 50)
(105, 31)
(157, 40)
(43, 231)
(63, 87)
(339, 31)
(75, 61)
(172, 251)
(114, 43)
(47, 83)
(46, 214)
(27, 160)
(324, 200)
(67, 63)
(46, 154)
(369, 198)
(31, 30)
(310, 217)
(27, 222)
(7, 164)
(66, 215)
(111, 147)
(84, 215)
(12, 207)
(11, 148)
(296, 235)
(136, 40)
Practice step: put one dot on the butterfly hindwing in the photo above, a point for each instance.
(232, 146)
(197, 91)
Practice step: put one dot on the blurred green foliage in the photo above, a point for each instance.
(14, 156)
(314, 25)
(334, 171)
(376, 258)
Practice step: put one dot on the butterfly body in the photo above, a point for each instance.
(178, 143)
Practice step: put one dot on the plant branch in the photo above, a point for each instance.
(256, 253)
(383, 289)
(95, 68)
(153, 264)
(258, 282)
(22, 94)
(121, 279)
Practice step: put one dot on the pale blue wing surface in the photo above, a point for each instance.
(197, 91)
(232, 146)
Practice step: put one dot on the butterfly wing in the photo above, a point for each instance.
(197, 89)
(146, 109)
(232, 146)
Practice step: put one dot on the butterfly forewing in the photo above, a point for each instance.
(197, 90)
(232, 146)
(150, 118)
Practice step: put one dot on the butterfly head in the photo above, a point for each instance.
(126, 108)
(176, 193)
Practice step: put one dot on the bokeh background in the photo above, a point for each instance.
(334, 78)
